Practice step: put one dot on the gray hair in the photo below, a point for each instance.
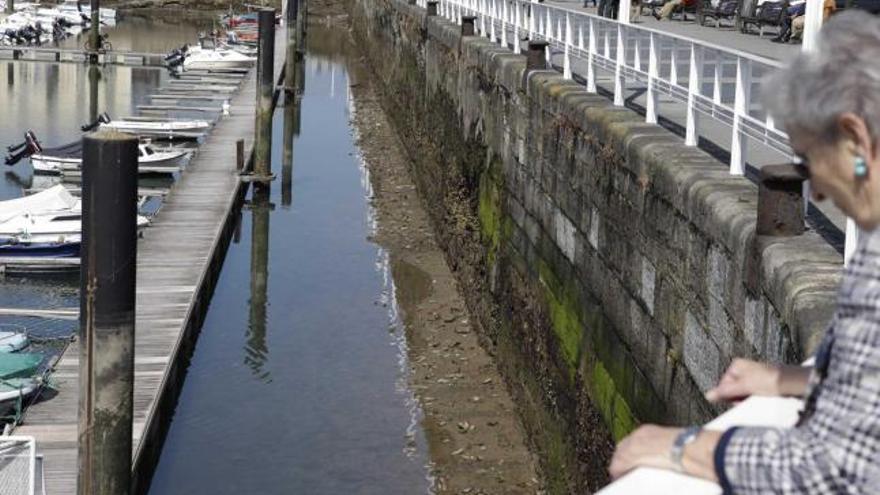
(841, 75)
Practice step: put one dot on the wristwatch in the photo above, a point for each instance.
(685, 437)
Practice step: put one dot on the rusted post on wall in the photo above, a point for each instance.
(781, 213)
(107, 311)
(536, 58)
(467, 25)
(780, 200)
(265, 88)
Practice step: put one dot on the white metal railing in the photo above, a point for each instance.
(710, 80)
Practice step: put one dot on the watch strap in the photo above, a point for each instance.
(687, 436)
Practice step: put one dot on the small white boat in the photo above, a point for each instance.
(68, 159)
(55, 199)
(63, 226)
(199, 58)
(157, 128)
(15, 388)
(12, 341)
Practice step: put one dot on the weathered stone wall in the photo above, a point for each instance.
(609, 259)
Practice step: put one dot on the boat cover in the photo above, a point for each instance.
(19, 365)
(56, 198)
(69, 150)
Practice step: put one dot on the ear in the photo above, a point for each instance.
(854, 129)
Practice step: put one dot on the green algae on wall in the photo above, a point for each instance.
(613, 407)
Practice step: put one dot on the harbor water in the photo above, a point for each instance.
(298, 381)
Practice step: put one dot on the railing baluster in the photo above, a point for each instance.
(581, 35)
(591, 58)
(651, 107)
(504, 13)
(493, 14)
(741, 101)
(532, 20)
(695, 78)
(673, 64)
(548, 27)
(619, 86)
(719, 68)
(517, 18)
(482, 9)
(566, 63)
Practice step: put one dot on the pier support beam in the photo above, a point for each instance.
(107, 310)
(265, 88)
(10, 6)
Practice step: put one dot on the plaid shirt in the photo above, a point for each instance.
(835, 447)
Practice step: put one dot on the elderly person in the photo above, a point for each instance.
(829, 103)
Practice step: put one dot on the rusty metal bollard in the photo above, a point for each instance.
(536, 58)
(781, 200)
(467, 25)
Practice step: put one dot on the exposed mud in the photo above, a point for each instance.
(476, 442)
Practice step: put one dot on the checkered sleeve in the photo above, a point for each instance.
(836, 449)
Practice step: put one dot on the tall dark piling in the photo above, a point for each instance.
(107, 313)
(265, 88)
(94, 31)
(10, 6)
(94, 77)
(292, 50)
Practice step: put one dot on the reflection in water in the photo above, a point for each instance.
(292, 116)
(256, 350)
(323, 393)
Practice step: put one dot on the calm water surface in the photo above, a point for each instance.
(297, 382)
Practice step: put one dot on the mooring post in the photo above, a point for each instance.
(780, 201)
(107, 310)
(292, 51)
(94, 32)
(265, 88)
(239, 155)
(94, 77)
(780, 214)
(432, 7)
(536, 58)
(467, 25)
(10, 6)
(301, 15)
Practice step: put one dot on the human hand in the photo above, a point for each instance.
(649, 445)
(744, 378)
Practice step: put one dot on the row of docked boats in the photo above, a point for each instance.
(33, 24)
(66, 159)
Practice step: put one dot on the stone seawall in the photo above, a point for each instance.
(606, 262)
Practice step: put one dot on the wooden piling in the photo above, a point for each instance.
(107, 309)
(95, 31)
(265, 90)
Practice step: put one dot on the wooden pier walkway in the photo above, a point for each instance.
(77, 55)
(178, 261)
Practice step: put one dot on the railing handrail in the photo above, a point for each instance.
(685, 39)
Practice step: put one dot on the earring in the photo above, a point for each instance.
(861, 167)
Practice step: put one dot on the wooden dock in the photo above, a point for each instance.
(76, 55)
(178, 262)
